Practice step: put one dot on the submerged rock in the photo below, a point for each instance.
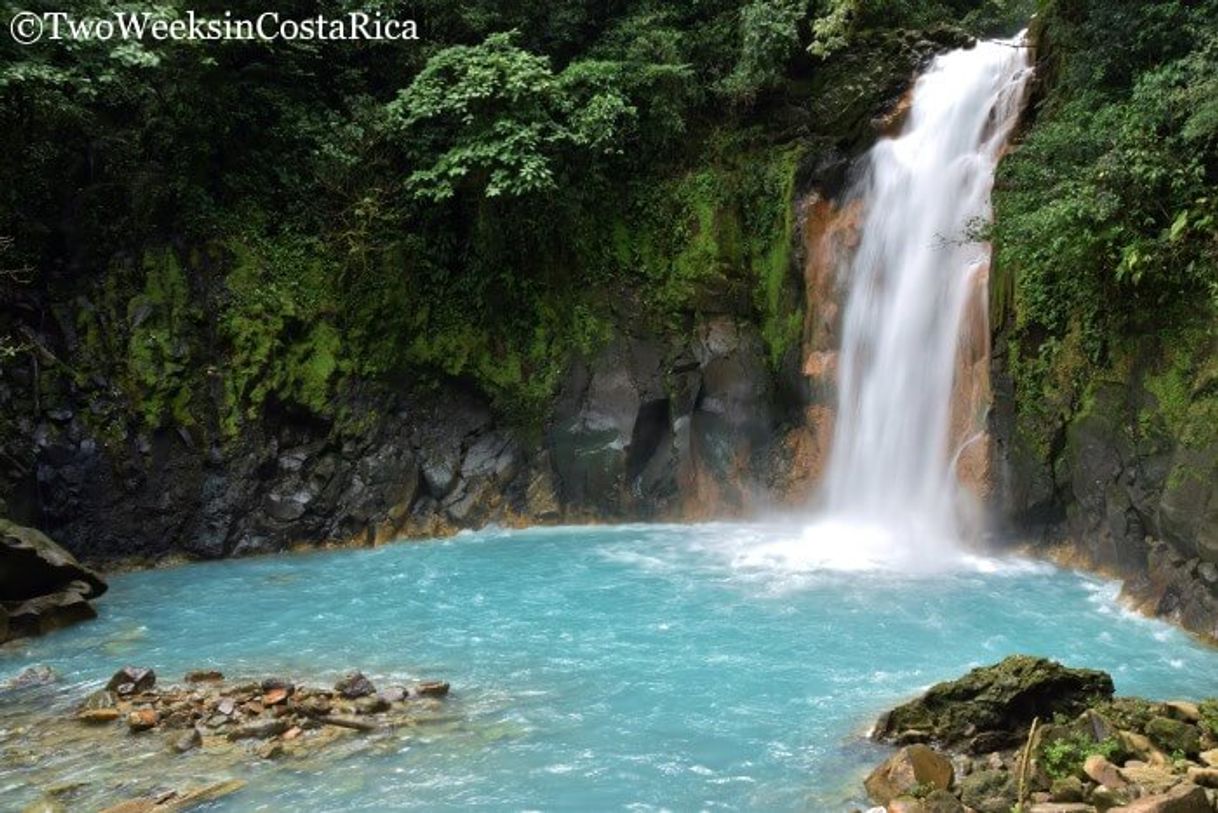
(32, 676)
(992, 707)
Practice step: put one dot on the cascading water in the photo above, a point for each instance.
(910, 280)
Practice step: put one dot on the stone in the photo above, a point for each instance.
(393, 694)
(1205, 777)
(432, 688)
(353, 685)
(1061, 807)
(1107, 798)
(942, 801)
(911, 767)
(1068, 789)
(274, 697)
(1102, 772)
(1182, 710)
(186, 741)
(131, 680)
(259, 729)
(992, 707)
(226, 706)
(204, 676)
(1184, 798)
(277, 684)
(989, 791)
(143, 719)
(98, 715)
(1209, 758)
(371, 704)
(1150, 778)
(32, 676)
(270, 750)
(1174, 735)
(1138, 745)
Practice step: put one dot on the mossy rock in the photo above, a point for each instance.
(989, 791)
(992, 707)
(1174, 736)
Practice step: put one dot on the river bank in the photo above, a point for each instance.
(1030, 735)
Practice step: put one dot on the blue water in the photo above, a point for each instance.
(639, 667)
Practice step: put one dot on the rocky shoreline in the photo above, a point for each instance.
(203, 725)
(1032, 736)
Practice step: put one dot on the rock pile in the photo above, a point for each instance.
(275, 717)
(1033, 736)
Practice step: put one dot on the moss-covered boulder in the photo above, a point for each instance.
(992, 707)
(42, 587)
(1174, 736)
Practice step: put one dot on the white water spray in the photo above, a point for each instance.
(924, 193)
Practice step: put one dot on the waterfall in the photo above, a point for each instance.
(917, 267)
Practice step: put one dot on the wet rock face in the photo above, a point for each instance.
(1117, 488)
(993, 707)
(652, 429)
(42, 587)
(648, 427)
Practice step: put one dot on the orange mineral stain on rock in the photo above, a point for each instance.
(971, 393)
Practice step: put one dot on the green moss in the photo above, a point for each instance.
(1186, 390)
(278, 327)
(721, 238)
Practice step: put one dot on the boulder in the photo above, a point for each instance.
(35, 566)
(32, 676)
(1103, 772)
(259, 730)
(992, 707)
(1068, 789)
(1205, 777)
(353, 685)
(1061, 807)
(42, 587)
(1150, 778)
(1182, 710)
(143, 719)
(1173, 735)
(914, 766)
(131, 679)
(989, 791)
(186, 741)
(1184, 798)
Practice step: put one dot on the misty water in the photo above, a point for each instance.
(641, 667)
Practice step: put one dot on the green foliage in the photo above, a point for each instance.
(1209, 717)
(1065, 757)
(472, 206)
(1104, 215)
(159, 364)
(769, 36)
